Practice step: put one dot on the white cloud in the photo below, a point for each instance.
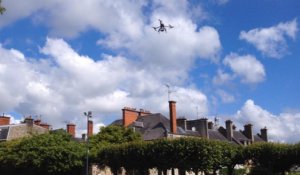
(128, 27)
(247, 67)
(220, 2)
(225, 96)
(272, 41)
(222, 78)
(284, 127)
(70, 17)
(65, 84)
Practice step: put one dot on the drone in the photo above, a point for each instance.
(162, 27)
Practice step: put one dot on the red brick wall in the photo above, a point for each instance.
(4, 120)
(71, 129)
(173, 121)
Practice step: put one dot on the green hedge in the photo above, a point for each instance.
(194, 154)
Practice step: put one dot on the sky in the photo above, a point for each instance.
(230, 59)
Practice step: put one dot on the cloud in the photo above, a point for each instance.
(272, 41)
(283, 127)
(220, 2)
(69, 18)
(222, 78)
(225, 96)
(63, 85)
(247, 67)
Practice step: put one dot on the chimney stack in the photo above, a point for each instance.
(83, 136)
(129, 115)
(229, 130)
(248, 132)
(28, 121)
(181, 122)
(210, 125)
(90, 128)
(4, 120)
(45, 125)
(37, 122)
(71, 129)
(203, 128)
(264, 134)
(173, 124)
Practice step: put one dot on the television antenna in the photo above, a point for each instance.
(169, 91)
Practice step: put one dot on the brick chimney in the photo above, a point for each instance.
(129, 115)
(45, 125)
(229, 130)
(210, 125)
(4, 120)
(143, 112)
(90, 128)
(37, 122)
(172, 111)
(71, 129)
(28, 121)
(248, 132)
(83, 136)
(181, 122)
(264, 134)
(203, 127)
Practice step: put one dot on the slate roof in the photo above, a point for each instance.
(238, 135)
(155, 126)
(216, 135)
(257, 138)
(9, 132)
(117, 122)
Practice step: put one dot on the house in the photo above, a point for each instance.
(156, 126)
(28, 127)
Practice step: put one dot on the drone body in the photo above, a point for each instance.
(162, 27)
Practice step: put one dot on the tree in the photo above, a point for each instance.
(271, 158)
(111, 135)
(2, 9)
(51, 153)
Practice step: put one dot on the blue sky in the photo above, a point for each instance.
(233, 59)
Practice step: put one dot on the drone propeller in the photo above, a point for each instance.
(154, 28)
(171, 26)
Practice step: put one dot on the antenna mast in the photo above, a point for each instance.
(169, 91)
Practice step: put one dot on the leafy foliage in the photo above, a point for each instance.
(111, 135)
(188, 154)
(2, 9)
(52, 153)
(271, 158)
